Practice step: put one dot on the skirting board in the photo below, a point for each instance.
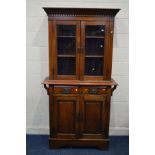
(114, 131)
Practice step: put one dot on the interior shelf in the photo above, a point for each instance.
(94, 56)
(66, 36)
(94, 37)
(65, 55)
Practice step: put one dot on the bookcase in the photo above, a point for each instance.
(79, 84)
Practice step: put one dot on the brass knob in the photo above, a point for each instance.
(86, 90)
(111, 32)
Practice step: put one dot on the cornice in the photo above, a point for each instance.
(80, 11)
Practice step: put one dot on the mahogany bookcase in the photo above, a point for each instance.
(79, 83)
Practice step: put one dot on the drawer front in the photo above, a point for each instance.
(66, 90)
(94, 90)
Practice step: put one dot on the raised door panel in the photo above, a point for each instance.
(65, 111)
(66, 46)
(94, 116)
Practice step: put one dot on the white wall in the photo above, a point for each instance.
(37, 63)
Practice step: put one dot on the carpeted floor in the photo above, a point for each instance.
(38, 145)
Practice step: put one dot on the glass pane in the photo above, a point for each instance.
(94, 49)
(95, 30)
(66, 49)
(66, 45)
(94, 46)
(93, 66)
(66, 65)
(66, 30)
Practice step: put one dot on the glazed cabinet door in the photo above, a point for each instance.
(94, 110)
(66, 48)
(66, 109)
(94, 44)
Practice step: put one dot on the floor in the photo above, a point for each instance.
(38, 145)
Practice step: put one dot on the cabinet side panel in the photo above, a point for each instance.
(51, 46)
(109, 49)
(107, 112)
(51, 115)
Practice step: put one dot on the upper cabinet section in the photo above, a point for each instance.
(80, 43)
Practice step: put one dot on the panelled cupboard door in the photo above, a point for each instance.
(66, 109)
(94, 110)
(94, 45)
(66, 36)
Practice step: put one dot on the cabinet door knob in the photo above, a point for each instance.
(79, 117)
(78, 49)
(111, 32)
(82, 49)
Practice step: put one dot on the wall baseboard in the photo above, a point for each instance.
(119, 131)
(114, 131)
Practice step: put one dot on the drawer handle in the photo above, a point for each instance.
(93, 91)
(66, 91)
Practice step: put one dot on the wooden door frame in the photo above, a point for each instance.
(54, 49)
(105, 115)
(82, 56)
(55, 115)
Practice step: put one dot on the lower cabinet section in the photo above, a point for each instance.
(79, 119)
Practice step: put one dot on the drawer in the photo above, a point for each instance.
(66, 90)
(94, 90)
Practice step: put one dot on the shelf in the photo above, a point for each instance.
(95, 37)
(66, 36)
(65, 55)
(94, 56)
(87, 56)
